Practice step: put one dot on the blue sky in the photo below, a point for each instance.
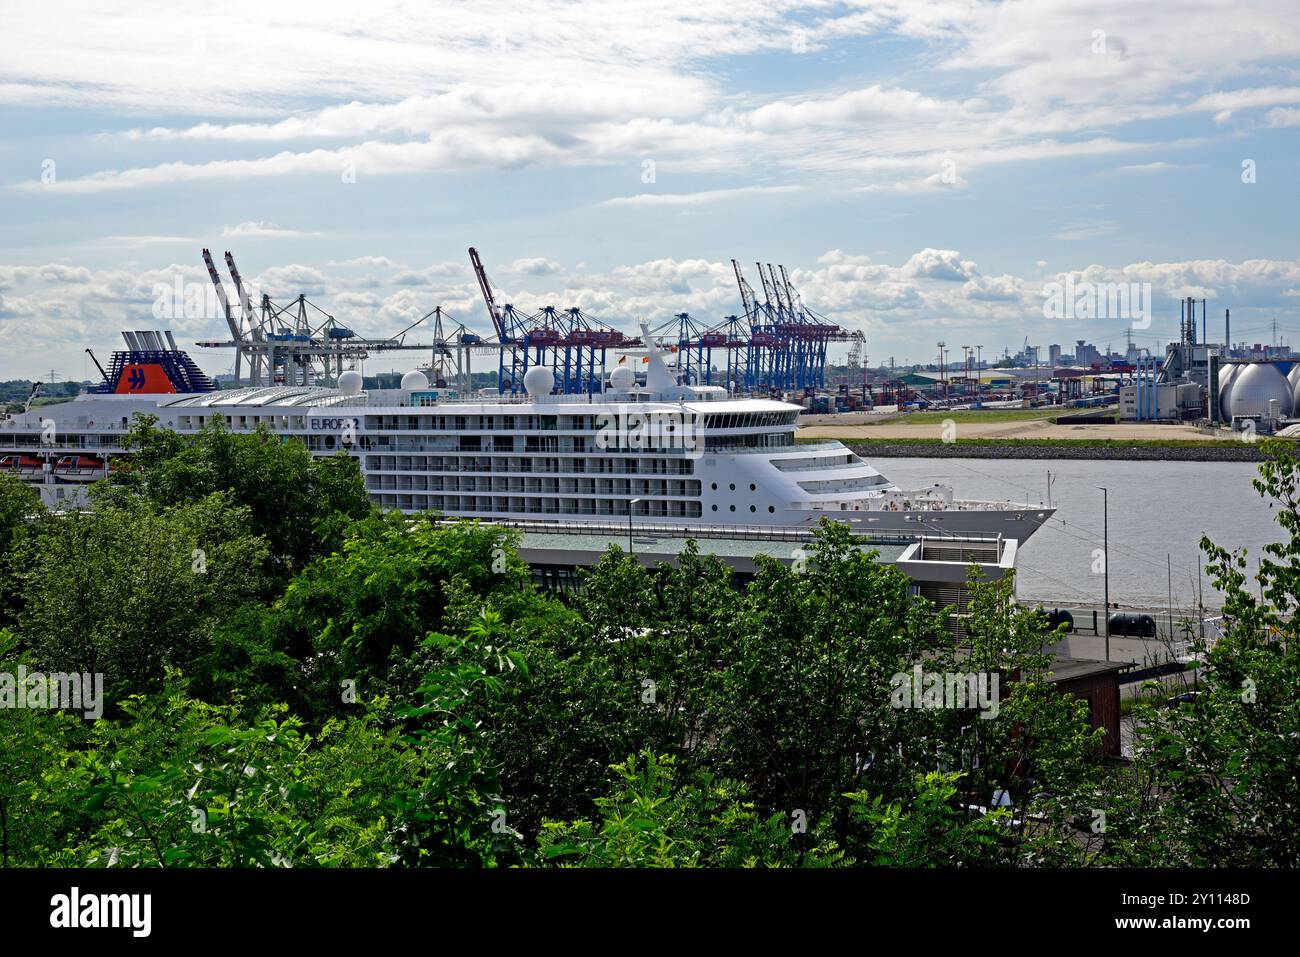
(923, 169)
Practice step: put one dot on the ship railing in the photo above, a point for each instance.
(830, 466)
(644, 525)
(779, 449)
(36, 445)
(904, 503)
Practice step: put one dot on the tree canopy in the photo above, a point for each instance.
(294, 679)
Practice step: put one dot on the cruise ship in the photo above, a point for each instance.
(653, 450)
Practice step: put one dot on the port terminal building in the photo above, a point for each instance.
(938, 567)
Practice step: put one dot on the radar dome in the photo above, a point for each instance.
(539, 381)
(1255, 387)
(623, 378)
(415, 381)
(350, 383)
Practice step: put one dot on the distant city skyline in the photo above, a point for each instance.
(924, 172)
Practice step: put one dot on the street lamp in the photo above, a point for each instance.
(1105, 562)
(629, 523)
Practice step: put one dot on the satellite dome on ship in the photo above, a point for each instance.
(415, 381)
(539, 380)
(351, 382)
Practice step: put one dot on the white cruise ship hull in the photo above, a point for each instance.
(543, 460)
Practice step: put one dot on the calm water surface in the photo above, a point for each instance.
(1156, 509)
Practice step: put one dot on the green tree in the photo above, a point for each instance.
(929, 828)
(1214, 782)
(359, 615)
(20, 511)
(806, 701)
(301, 504)
(651, 820)
(128, 591)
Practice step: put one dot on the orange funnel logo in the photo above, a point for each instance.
(143, 378)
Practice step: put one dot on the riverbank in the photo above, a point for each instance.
(1167, 450)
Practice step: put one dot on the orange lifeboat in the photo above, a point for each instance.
(21, 466)
(79, 468)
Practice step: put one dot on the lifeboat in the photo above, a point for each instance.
(22, 466)
(79, 468)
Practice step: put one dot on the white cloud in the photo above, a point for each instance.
(939, 264)
(1283, 117)
(444, 151)
(1155, 167)
(537, 266)
(1090, 229)
(383, 261)
(262, 230)
(429, 275)
(697, 198)
(505, 84)
(151, 240)
(57, 309)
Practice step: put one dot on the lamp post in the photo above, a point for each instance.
(634, 501)
(1105, 562)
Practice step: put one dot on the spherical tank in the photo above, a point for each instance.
(1226, 375)
(1255, 387)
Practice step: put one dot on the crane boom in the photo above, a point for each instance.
(782, 305)
(746, 293)
(767, 287)
(791, 296)
(245, 303)
(221, 294)
(486, 288)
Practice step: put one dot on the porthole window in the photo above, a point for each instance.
(715, 508)
(753, 508)
(753, 487)
(733, 508)
(733, 486)
(715, 486)
(771, 508)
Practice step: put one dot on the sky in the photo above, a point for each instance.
(925, 169)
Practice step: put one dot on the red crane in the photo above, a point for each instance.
(486, 287)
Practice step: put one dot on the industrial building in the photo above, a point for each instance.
(1196, 380)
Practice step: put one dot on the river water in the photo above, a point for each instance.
(1157, 509)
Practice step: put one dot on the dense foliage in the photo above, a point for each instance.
(294, 679)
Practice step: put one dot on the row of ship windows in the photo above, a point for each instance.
(752, 508)
(533, 486)
(504, 505)
(534, 464)
(542, 443)
(430, 421)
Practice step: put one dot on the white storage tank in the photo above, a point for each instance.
(1293, 379)
(1255, 386)
(1226, 375)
